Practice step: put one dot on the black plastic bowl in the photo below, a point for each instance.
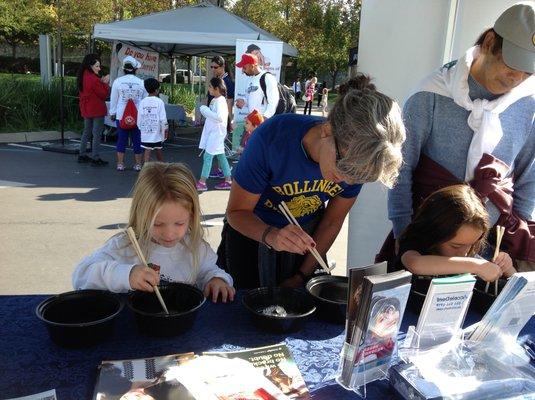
(297, 304)
(330, 296)
(81, 318)
(182, 301)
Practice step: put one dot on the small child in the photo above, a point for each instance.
(214, 133)
(446, 235)
(252, 121)
(152, 121)
(324, 101)
(166, 216)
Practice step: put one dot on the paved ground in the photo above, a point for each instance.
(55, 211)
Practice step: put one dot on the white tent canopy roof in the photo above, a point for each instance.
(200, 30)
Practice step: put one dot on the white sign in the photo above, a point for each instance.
(269, 56)
(148, 60)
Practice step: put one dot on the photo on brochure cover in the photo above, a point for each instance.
(380, 339)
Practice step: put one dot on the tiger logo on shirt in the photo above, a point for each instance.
(302, 205)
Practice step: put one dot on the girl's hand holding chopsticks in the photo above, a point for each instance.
(143, 278)
(504, 261)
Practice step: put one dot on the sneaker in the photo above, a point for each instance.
(84, 159)
(137, 167)
(98, 162)
(201, 187)
(223, 186)
(120, 167)
(218, 173)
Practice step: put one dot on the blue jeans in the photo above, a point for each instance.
(92, 126)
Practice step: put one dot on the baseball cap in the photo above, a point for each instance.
(131, 61)
(247, 58)
(516, 26)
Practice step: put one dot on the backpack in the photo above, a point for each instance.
(286, 98)
(129, 119)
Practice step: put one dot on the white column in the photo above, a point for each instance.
(401, 41)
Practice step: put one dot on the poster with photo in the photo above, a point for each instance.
(269, 54)
(148, 59)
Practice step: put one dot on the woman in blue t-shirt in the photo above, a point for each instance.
(317, 167)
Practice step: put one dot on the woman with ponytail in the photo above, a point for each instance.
(317, 167)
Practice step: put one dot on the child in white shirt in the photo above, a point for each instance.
(214, 133)
(165, 215)
(152, 121)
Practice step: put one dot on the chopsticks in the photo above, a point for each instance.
(500, 230)
(286, 212)
(135, 244)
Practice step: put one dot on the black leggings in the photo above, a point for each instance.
(309, 105)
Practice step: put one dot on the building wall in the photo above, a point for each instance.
(400, 42)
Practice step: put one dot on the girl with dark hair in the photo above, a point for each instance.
(214, 133)
(93, 92)
(446, 235)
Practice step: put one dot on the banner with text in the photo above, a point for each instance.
(269, 56)
(148, 60)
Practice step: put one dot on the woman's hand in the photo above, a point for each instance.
(505, 263)
(291, 238)
(217, 286)
(105, 79)
(143, 278)
(488, 271)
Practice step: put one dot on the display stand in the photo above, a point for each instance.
(363, 373)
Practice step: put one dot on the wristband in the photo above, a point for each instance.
(264, 235)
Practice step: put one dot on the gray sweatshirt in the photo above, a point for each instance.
(438, 128)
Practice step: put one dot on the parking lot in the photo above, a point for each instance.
(55, 211)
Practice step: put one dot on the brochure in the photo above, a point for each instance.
(220, 378)
(265, 373)
(276, 364)
(356, 277)
(511, 310)
(48, 395)
(124, 379)
(381, 305)
(444, 310)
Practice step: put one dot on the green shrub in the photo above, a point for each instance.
(26, 105)
(180, 94)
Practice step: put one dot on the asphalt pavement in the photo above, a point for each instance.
(55, 211)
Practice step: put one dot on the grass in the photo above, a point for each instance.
(26, 105)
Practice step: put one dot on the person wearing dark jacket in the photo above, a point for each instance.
(93, 92)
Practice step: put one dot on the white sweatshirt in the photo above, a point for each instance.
(124, 88)
(109, 267)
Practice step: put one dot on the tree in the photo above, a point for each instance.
(22, 22)
(321, 30)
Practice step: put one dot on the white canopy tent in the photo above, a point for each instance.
(202, 30)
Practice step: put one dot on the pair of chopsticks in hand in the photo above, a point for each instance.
(135, 244)
(291, 219)
(500, 230)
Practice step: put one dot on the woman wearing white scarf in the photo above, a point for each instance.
(482, 104)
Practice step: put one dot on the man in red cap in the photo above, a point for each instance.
(254, 97)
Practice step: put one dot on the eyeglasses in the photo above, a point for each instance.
(215, 66)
